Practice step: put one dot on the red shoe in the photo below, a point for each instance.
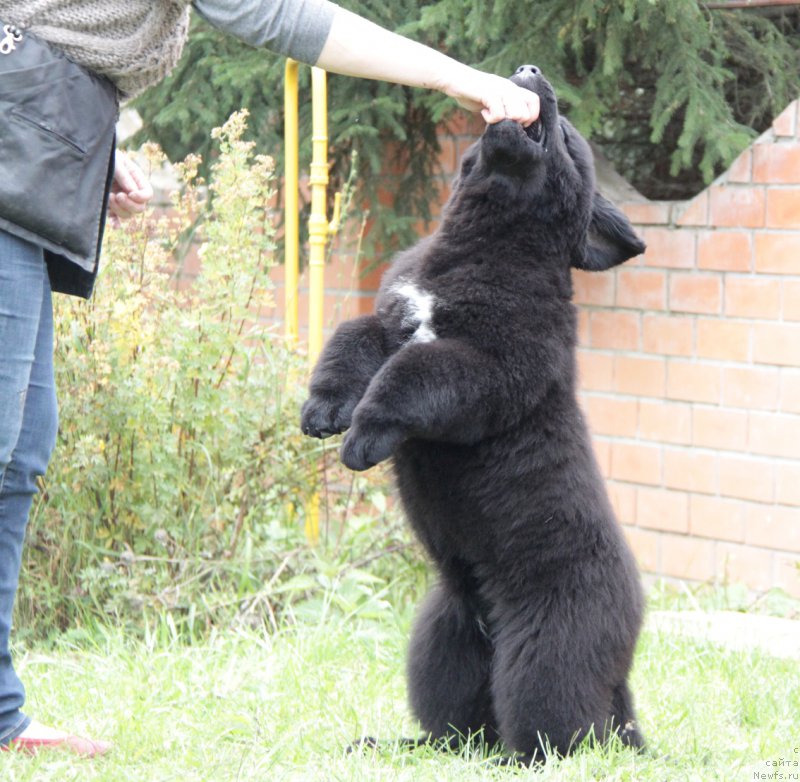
(36, 738)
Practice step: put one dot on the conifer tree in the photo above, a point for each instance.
(671, 90)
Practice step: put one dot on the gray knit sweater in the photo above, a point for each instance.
(135, 43)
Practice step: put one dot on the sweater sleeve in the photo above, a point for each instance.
(297, 28)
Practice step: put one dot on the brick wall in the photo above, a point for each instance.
(690, 372)
(690, 368)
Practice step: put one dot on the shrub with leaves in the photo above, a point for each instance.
(180, 475)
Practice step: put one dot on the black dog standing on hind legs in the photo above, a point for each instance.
(466, 376)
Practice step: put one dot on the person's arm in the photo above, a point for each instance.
(357, 47)
(321, 33)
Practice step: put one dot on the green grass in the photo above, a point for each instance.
(250, 706)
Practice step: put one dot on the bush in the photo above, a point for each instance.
(180, 475)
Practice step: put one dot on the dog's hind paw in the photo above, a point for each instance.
(365, 742)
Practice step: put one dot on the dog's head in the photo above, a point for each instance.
(543, 175)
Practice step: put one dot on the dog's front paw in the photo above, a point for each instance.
(323, 416)
(365, 446)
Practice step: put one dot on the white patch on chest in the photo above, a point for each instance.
(418, 311)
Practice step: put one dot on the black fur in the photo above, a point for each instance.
(528, 635)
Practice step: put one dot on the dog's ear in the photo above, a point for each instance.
(611, 239)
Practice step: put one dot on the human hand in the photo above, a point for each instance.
(357, 47)
(130, 190)
(495, 97)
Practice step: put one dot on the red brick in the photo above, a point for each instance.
(777, 253)
(448, 154)
(583, 329)
(463, 143)
(757, 387)
(693, 382)
(751, 297)
(662, 509)
(737, 205)
(668, 247)
(614, 329)
(647, 212)
(787, 488)
(695, 293)
(787, 574)
(602, 452)
(776, 163)
(716, 517)
(790, 391)
(725, 430)
(665, 422)
(464, 123)
(639, 376)
(641, 289)
(783, 207)
(746, 478)
(723, 339)
(623, 500)
(773, 526)
(775, 434)
(725, 251)
(690, 470)
(791, 299)
(668, 335)
(687, 557)
(785, 124)
(636, 463)
(694, 212)
(344, 272)
(737, 564)
(645, 545)
(339, 306)
(595, 370)
(777, 343)
(612, 415)
(742, 168)
(386, 190)
(439, 200)
(593, 288)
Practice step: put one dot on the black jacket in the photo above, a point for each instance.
(57, 123)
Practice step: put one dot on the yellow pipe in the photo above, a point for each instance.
(291, 204)
(317, 239)
(318, 227)
(318, 221)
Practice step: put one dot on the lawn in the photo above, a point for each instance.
(247, 705)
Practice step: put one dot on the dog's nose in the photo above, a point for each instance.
(528, 70)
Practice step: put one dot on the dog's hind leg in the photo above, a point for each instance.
(623, 719)
(547, 694)
(449, 664)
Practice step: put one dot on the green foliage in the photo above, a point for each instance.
(245, 706)
(180, 475)
(218, 75)
(671, 91)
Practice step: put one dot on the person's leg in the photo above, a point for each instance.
(28, 422)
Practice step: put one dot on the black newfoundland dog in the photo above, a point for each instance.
(466, 376)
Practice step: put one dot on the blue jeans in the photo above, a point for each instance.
(28, 425)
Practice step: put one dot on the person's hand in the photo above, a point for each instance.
(495, 97)
(130, 191)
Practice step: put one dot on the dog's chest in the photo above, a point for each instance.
(410, 308)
